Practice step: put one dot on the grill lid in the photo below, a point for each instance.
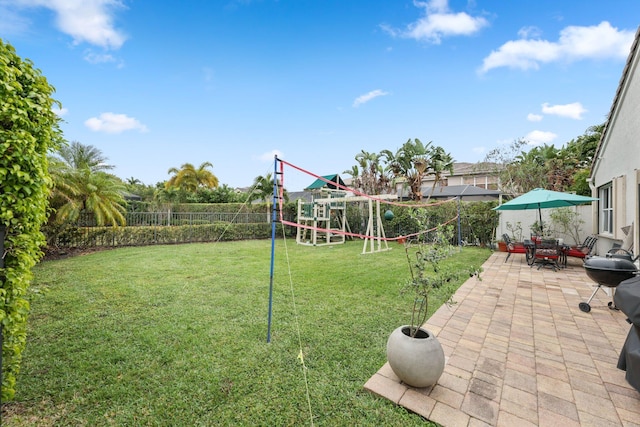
(609, 264)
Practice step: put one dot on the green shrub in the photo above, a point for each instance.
(88, 237)
(28, 130)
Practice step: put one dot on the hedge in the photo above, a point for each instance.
(89, 237)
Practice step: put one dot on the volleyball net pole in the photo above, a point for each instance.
(274, 217)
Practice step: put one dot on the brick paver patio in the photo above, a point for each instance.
(519, 352)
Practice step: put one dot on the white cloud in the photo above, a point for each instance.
(438, 22)
(363, 99)
(529, 32)
(114, 123)
(269, 155)
(534, 117)
(60, 112)
(572, 111)
(539, 137)
(575, 43)
(98, 58)
(89, 21)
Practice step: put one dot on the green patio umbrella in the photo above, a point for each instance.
(540, 198)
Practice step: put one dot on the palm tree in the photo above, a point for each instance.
(262, 189)
(85, 188)
(372, 178)
(356, 179)
(409, 164)
(439, 161)
(80, 156)
(97, 192)
(190, 179)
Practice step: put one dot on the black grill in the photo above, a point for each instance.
(607, 271)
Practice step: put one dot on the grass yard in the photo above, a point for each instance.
(176, 336)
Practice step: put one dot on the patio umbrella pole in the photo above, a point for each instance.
(540, 217)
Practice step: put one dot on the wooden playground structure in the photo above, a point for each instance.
(324, 221)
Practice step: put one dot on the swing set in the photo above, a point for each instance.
(324, 221)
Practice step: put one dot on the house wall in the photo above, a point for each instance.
(618, 162)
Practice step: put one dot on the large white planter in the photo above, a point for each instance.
(418, 362)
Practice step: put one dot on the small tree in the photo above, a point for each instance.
(28, 131)
(428, 277)
(567, 221)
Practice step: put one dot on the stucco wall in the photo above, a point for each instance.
(528, 217)
(619, 155)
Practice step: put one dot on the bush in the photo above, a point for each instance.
(88, 237)
(28, 130)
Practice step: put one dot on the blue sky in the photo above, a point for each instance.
(155, 84)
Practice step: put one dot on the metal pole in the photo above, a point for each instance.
(273, 241)
(459, 230)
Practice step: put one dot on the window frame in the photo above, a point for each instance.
(605, 209)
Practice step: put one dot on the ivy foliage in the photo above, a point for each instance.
(29, 129)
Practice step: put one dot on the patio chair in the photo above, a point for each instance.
(513, 247)
(584, 250)
(548, 252)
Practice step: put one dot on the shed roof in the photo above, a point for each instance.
(322, 183)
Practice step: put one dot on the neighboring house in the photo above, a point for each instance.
(482, 175)
(468, 193)
(465, 175)
(615, 172)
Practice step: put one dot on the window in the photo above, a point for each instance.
(605, 194)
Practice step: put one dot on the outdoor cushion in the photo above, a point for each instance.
(578, 252)
(516, 248)
(583, 250)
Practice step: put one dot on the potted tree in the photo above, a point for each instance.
(414, 354)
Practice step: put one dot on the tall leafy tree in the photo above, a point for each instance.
(190, 178)
(499, 159)
(522, 168)
(584, 149)
(29, 130)
(221, 194)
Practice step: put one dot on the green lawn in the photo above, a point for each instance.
(176, 336)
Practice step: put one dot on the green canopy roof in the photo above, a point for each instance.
(320, 183)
